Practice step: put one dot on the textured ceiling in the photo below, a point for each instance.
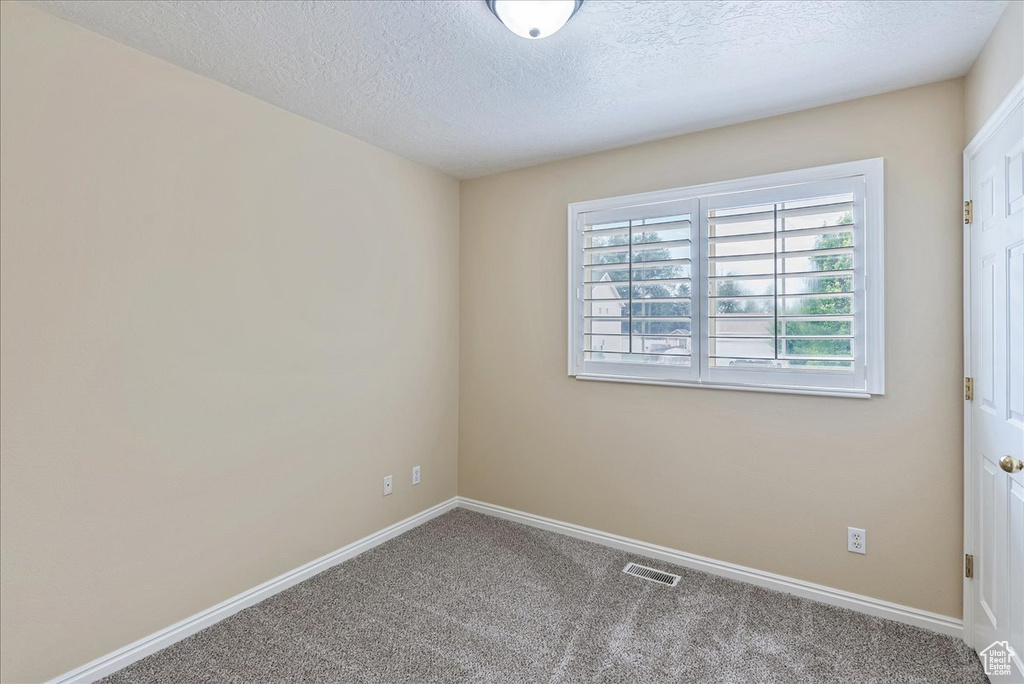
(443, 83)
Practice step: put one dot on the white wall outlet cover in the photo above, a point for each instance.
(856, 540)
(387, 486)
(416, 475)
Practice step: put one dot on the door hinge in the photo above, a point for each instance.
(968, 566)
(968, 389)
(968, 212)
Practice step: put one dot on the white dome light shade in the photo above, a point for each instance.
(534, 18)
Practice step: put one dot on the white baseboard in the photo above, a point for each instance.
(123, 657)
(816, 592)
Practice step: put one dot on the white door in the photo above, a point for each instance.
(995, 339)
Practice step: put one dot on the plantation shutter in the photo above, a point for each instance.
(773, 282)
(636, 270)
(785, 286)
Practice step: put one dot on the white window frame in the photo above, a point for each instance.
(868, 378)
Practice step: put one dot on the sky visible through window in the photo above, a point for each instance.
(780, 287)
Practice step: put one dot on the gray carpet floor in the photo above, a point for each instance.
(471, 598)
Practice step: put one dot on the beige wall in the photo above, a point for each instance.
(216, 316)
(996, 70)
(222, 326)
(769, 481)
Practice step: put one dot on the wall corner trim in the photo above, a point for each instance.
(816, 592)
(123, 657)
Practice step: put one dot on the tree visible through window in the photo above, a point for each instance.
(757, 282)
(839, 283)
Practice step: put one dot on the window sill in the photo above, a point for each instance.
(848, 394)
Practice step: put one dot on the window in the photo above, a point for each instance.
(772, 282)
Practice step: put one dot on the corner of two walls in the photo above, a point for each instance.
(996, 70)
(767, 481)
(320, 313)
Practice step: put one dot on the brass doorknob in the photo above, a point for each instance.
(1011, 464)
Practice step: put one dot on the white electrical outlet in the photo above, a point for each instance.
(856, 540)
(387, 486)
(415, 475)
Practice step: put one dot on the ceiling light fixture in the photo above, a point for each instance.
(534, 18)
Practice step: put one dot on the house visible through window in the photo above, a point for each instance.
(772, 282)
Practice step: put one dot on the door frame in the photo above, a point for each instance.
(998, 117)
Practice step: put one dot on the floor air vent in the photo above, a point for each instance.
(647, 573)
